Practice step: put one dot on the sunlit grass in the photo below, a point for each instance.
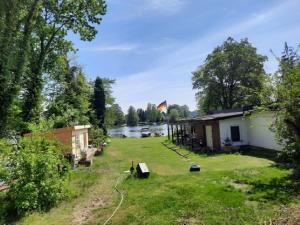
(173, 195)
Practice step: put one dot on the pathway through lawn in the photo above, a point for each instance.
(230, 189)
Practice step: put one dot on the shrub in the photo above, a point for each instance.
(35, 181)
(97, 136)
(5, 149)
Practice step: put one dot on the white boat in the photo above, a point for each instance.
(145, 132)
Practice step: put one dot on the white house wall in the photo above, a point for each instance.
(259, 133)
(82, 135)
(254, 130)
(225, 131)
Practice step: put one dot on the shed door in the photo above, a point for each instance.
(209, 139)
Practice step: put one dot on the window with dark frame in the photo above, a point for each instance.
(235, 133)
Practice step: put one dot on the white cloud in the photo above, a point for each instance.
(166, 6)
(171, 78)
(260, 28)
(112, 48)
(142, 8)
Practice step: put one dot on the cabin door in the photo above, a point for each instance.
(209, 139)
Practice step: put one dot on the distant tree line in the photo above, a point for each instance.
(153, 115)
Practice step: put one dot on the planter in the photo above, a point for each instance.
(227, 148)
(99, 151)
(86, 163)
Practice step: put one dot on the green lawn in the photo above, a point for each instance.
(230, 189)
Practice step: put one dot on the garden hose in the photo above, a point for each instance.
(122, 197)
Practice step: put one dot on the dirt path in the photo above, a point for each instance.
(82, 214)
(291, 216)
(99, 197)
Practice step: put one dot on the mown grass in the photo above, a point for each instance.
(230, 189)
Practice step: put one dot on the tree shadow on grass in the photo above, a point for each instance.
(278, 190)
(185, 151)
(259, 152)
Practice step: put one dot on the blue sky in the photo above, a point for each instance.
(151, 46)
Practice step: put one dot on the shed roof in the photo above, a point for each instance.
(224, 114)
(221, 115)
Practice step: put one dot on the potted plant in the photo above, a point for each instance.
(83, 155)
(227, 145)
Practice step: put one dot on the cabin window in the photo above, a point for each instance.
(235, 133)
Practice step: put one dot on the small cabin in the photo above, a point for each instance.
(76, 138)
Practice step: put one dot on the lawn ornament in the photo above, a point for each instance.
(131, 169)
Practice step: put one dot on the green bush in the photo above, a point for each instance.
(5, 149)
(97, 136)
(35, 181)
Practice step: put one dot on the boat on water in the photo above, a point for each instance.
(145, 132)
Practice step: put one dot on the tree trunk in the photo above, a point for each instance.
(12, 69)
(31, 106)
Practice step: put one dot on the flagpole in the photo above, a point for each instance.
(160, 108)
(168, 121)
(168, 126)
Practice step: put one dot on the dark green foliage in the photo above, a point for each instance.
(96, 136)
(132, 117)
(107, 84)
(99, 102)
(5, 150)
(151, 114)
(32, 41)
(232, 76)
(173, 115)
(70, 105)
(17, 19)
(142, 115)
(48, 41)
(113, 114)
(288, 102)
(183, 111)
(33, 176)
(119, 118)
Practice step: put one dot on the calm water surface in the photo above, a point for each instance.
(136, 131)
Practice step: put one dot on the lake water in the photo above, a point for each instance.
(136, 131)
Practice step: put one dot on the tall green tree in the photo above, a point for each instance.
(288, 102)
(114, 116)
(183, 111)
(132, 117)
(173, 115)
(17, 21)
(152, 114)
(99, 104)
(120, 118)
(231, 76)
(107, 84)
(55, 20)
(71, 104)
(142, 115)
